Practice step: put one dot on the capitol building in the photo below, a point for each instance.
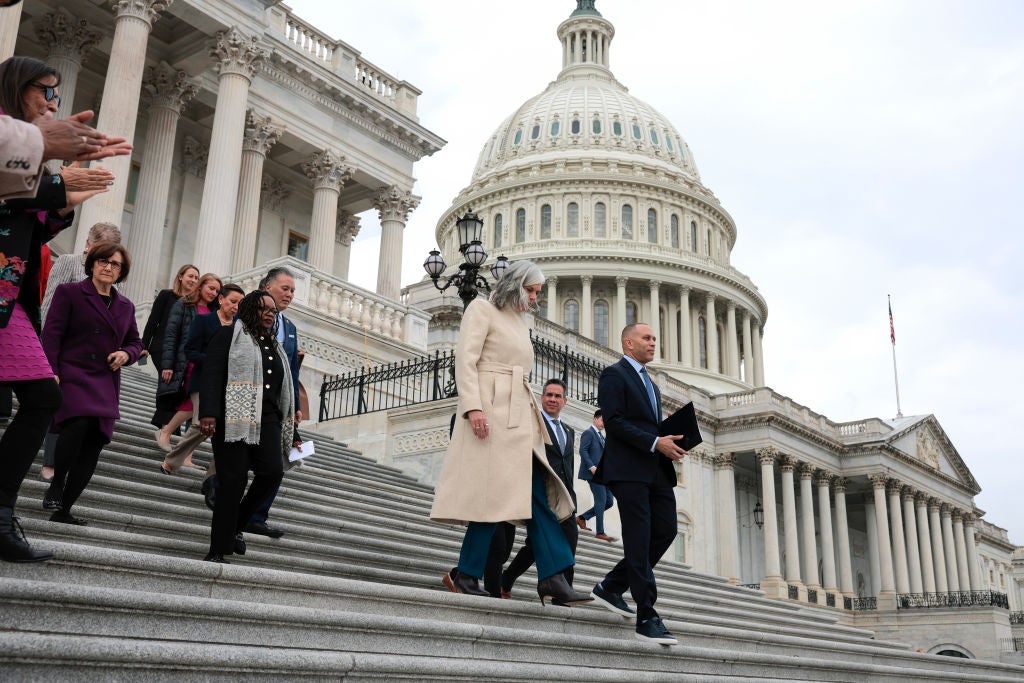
(261, 140)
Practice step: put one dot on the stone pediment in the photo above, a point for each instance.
(923, 439)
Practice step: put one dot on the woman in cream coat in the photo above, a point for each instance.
(495, 469)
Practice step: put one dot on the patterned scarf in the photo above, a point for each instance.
(243, 396)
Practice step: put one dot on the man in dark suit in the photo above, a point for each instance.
(591, 450)
(560, 453)
(638, 467)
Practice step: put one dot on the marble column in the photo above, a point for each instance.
(809, 550)
(685, 331)
(261, 133)
(973, 565)
(393, 205)
(554, 311)
(238, 58)
(913, 546)
(346, 230)
(961, 551)
(828, 550)
(620, 310)
(121, 90)
(899, 544)
(728, 534)
(948, 544)
(748, 355)
(168, 92)
(788, 462)
(843, 539)
(587, 308)
(938, 552)
(924, 538)
(874, 565)
(10, 19)
(732, 364)
(68, 41)
(711, 339)
(887, 594)
(655, 318)
(772, 583)
(758, 356)
(328, 171)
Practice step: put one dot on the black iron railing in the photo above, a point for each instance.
(792, 592)
(431, 378)
(860, 604)
(1017, 617)
(755, 586)
(1011, 644)
(830, 599)
(812, 595)
(954, 599)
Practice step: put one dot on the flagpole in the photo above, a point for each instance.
(895, 373)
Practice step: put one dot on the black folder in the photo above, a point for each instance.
(682, 422)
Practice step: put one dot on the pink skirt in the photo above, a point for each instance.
(21, 354)
(186, 405)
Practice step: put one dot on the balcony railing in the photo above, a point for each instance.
(860, 604)
(1011, 644)
(954, 599)
(792, 593)
(812, 595)
(1017, 617)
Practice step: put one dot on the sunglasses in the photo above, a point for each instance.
(49, 92)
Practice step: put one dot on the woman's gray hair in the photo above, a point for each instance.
(509, 289)
(104, 232)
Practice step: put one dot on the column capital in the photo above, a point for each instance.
(621, 280)
(684, 290)
(65, 36)
(807, 471)
(654, 285)
(878, 480)
(958, 515)
(587, 280)
(273, 193)
(327, 170)
(261, 133)
(394, 204)
(839, 484)
(709, 297)
(725, 461)
(787, 463)
(194, 155)
(767, 455)
(945, 509)
(551, 280)
(969, 519)
(146, 10)
(823, 478)
(168, 88)
(730, 305)
(908, 494)
(934, 504)
(346, 229)
(237, 54)
(893, 486)
(921, 499)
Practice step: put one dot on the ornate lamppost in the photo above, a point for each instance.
(468, 279)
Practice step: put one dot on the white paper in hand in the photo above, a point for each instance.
(296, 454)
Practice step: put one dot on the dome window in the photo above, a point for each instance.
(573, 220)
(631, 309)
(535, 132)
(654, 136)
(652, 226)
(554, 128)
(520, 226)
(596, 126)
(668, 142)
(575, 127)
(673, 230)
(617, 128)
(601, 322)
(627, 222)
(497, 231)
(571, 315)
(693, 236)
(636, 132)
(600, 220)
(545, 222)
(518, 138)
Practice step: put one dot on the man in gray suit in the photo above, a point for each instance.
(591, 450)
(560, 453)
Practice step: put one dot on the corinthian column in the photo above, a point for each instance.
(238, 58)
(810, 550)
(748, 354)
(789, 521)
(67, 42)
(10, 19)
(135, 19)
(828, 550)
(711, 334)
(620, 308)
(961, 551)
(913, 546)
(168, 92)
(758, 356)
(938, 552)
(899, 546)
(655, 321)
(887, 595)
(950, 547)
(345, 231)
(587, 308)
(393, 204)
(554, 312)
(685, 331)
(924, 538)
(728, 541)
(772, 583)
(973, 566)
(261, 133)
(732, 364)
(329, 173)
(843, 538)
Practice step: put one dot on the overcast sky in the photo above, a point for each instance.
(863, 148)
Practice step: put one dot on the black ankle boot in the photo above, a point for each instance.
(457, 582)
(13, 546)
(560, 592)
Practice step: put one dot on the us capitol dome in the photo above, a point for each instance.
(600, 189)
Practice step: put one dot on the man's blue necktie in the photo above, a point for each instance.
(650, 390)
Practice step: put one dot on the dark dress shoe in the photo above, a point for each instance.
(653, 631)
(65, 517)
(457, 582)
(612, 601)
(51, 503)
(165, 469)
(215, 557)
(261, 529)
(209, 493)
(560, 592)
(13, 546)
(239, 546)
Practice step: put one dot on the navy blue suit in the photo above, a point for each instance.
(591, 451)
(641, 479)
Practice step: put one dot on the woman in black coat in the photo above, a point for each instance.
(153, 337)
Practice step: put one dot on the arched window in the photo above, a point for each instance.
(630, 312)
(575, 127)
(497, 230)
(617, 129)
(627, 222)
(518, 138)
(520, 226)
(693, 236)
(654, 136)
(600, 220)
(601, 322)
(572, 215)
(545, 222)
(542, 307)
(636, 132)
(554, 128)
(652, 226)
(674, 231)
(535, 132)
(662, 347)
(571, 315)
(668, 142)
(722, 352)
(596, 126)
(707, 244)
(702, 341)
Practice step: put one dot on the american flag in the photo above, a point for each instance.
(892, 328)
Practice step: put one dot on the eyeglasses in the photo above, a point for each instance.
(107, 263)
(49, 92)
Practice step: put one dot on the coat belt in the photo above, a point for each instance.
(516, 399)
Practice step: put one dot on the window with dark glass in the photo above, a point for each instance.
(298, 246)
(572, 215)
(571, 313)
(596, 126)
(554, 128)
(668, 142)
(545, 222)
(654, 136)
(630, 312)
(520, 225)
(601, 322)
(518, 138)
(600, 220)
(674, 231)
(636, 132)
(575, 127)
(535, 132)
(702, 341)
(652, 226)
(693, 236)
(627, 222)
(497, 230)
(542, 307)
(617, 128)
(707, 244)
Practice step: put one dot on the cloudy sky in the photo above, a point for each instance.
(863, 148)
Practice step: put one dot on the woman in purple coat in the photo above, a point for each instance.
(89, 335)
